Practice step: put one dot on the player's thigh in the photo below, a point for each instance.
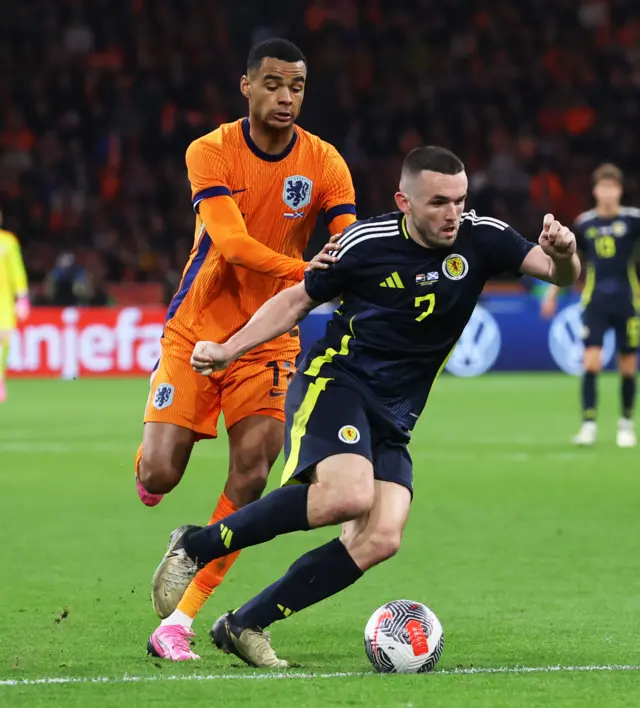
(392, 464)
(256, 440)
(253, 393)
(592, 359)
(326, 425)
(628, 363)
(342, 488)
(257, 385)
(377, 536)
(254, 445)
(627, 329)
(181, 397)
(328, 442)
(594, 327)
(166, 449)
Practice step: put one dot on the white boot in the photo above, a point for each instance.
(626, 436)
(587, 433)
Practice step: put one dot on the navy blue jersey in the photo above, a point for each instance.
(609, 247)
(404, 306)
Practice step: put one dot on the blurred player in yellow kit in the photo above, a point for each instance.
(14, 296)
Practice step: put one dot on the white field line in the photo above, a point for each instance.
(295, 675)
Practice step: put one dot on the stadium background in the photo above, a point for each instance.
(100, 100)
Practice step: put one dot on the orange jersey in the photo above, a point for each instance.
(236, 188)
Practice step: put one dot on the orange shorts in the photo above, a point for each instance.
(255, 384)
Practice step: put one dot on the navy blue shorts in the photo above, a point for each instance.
(325, 418)
(597, 321)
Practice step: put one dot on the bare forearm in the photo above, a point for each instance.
(278, 315)
(564, 272)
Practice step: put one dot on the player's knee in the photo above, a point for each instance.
(343, 490)
(381, 545)
(157, 474)
(628, 364)
(592, 360)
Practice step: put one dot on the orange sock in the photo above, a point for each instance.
(207, 580)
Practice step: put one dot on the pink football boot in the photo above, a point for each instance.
(171, 641)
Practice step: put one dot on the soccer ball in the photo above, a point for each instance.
(403, 637)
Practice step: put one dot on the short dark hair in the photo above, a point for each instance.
(608, 171)
(276, 48)
(433, 158)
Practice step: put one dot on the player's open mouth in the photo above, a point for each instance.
(449, 230)
(284, 117)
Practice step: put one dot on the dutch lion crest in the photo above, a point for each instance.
(297, 192)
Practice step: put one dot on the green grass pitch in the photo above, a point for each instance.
(525, 547)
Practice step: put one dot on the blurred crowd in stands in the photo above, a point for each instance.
(101, 98)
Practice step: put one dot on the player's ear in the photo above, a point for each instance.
(245, 86)
(403, 202)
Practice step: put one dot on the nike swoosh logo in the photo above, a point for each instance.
(275, 394)
(237, 191)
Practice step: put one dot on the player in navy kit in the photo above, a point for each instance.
(607, 236)
(409, 282)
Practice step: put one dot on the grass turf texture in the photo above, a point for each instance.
(524, 546)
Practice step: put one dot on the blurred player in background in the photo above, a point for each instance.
(607, 236)
(409, 283)
(14, 297)
(257, 186)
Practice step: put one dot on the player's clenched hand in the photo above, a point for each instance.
(325, 258)
(556, 240)
(208, 357)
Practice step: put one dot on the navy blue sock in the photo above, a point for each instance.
(315, 576)
(282, 511)
(628, 394)
(588, 396)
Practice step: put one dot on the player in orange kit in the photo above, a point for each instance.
(265, 177)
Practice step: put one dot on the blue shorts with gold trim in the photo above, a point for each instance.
(597, 321)
(326, 418)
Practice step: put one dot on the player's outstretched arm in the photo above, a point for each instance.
(549, 304)
(278, 315)
(554, 259)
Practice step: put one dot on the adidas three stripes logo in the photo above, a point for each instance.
(393, 281)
